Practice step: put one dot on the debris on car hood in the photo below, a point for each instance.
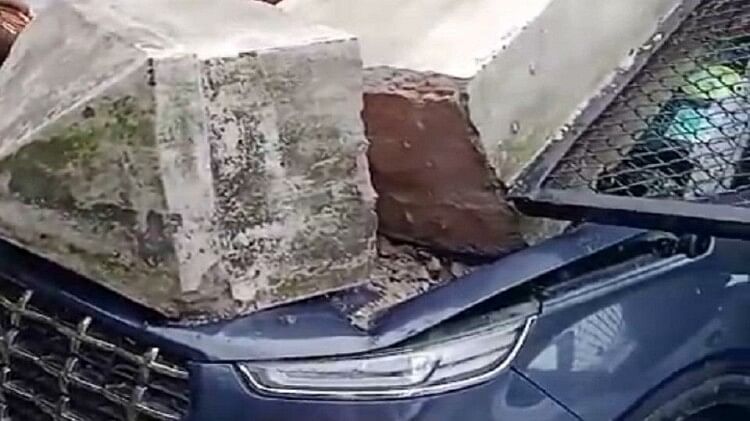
(213, 160)
(402, 272)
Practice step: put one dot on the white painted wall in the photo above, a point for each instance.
(574, 49)
(452, 37)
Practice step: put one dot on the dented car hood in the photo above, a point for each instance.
(261, 334)
(320, 326)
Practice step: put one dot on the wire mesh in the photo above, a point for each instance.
(681, 129)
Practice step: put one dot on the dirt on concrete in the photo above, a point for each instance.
(402, 272)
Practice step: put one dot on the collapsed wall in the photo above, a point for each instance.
(209, 160)
(197, 159)
(460, 96)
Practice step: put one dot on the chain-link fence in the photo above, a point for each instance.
(679, 130)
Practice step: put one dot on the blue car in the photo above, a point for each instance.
(602, 323)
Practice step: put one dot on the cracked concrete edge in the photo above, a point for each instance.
(549, 91)
(57, 111)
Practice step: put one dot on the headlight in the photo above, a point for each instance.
(420, 369)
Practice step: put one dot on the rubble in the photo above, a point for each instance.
(199, 159)
(402, 272)
(460, 96)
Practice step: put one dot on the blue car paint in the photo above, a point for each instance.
(320, 330)
(659, 320)
(314, 327)
(600, 356)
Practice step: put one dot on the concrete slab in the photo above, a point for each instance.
(202, 160)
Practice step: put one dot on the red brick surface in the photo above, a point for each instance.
(433, 182)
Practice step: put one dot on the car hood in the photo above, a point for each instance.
(321, 327)
(316, 327)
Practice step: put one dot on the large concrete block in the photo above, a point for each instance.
(202, 159)
(461, 95)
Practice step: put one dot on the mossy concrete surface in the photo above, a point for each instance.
(203, 162)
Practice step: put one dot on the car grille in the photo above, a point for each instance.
(57, 364)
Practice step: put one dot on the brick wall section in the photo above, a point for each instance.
(461, 96)
(434, 185)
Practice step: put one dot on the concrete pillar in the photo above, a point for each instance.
(201, 159)
(461, 95)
